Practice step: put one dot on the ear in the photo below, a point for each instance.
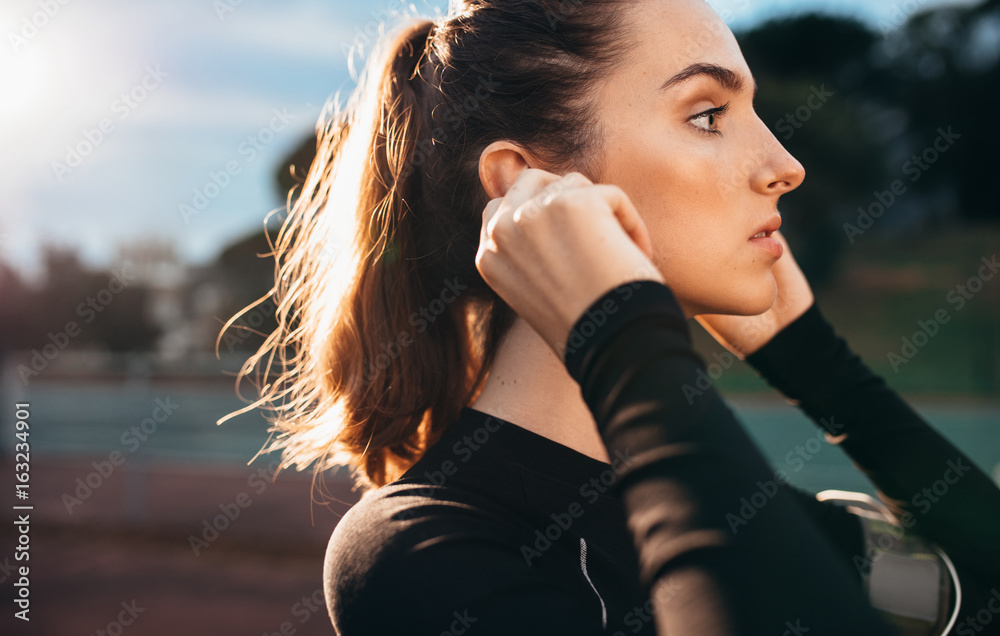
(500, 164)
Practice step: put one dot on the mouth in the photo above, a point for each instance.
(764, 238)
(769, 228)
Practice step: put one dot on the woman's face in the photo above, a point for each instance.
(681, 138)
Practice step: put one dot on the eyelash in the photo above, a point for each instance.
(717, 112)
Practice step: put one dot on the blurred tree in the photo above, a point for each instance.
(125, 324)
(15, 310)
(108, 310)
(890, 96)
(945, 73)
(812, 100)
(245, 270)
(295, 166)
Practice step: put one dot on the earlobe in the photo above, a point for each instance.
(499, 166)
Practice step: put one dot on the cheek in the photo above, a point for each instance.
(694, 222)
(688, 193)
(678, 195)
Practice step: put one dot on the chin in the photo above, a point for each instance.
(750, 298)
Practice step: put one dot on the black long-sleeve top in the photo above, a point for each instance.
(498, 530)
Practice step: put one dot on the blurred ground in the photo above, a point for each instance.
(260, 575)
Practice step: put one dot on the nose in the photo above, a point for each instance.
(779, 172)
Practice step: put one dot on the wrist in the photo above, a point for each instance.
(606, 316)
(798, 356)
(781, 324)
(618, 288)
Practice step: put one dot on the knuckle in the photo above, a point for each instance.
(535, 175)
(484, 265)
(491, 208)
(504, 229)
(577, 199)
(481, 257)
(524, 180)
(576, 177)
(537, 205)
(528, 211)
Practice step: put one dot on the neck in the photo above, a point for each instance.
(529, 385)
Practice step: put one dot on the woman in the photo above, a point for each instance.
(542, 471)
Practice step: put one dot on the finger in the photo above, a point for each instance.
(527, 184)
(489, 212)
(532, 207)
(567, 182)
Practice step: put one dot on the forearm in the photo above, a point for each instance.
(693, 465)
(931, 486)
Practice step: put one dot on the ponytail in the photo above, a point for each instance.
(385, 328)
(374, 362)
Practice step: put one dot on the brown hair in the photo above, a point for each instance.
(385, 327)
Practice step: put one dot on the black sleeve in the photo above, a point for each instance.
(931, 486)
(713, 565)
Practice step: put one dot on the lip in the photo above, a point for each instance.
(773, 225)
(770, 245)
(767, 242)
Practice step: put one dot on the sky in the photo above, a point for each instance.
(127, 120)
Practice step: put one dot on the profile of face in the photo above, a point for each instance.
(683, 141)
(680, 136)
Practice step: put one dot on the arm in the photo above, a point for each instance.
(903, 456)
(694, 464)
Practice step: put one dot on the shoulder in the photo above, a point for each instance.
(398, 542)
(402, 516)
(415, 558)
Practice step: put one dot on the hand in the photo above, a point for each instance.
(554, 245)
(743, 335)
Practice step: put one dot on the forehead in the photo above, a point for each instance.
(667, 36)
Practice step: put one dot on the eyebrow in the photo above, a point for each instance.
(726, 78)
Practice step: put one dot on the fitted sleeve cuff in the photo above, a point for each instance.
(615, 310)
(803, 358)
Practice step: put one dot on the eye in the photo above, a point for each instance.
(708, 120)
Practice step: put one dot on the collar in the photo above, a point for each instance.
(476, 432)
